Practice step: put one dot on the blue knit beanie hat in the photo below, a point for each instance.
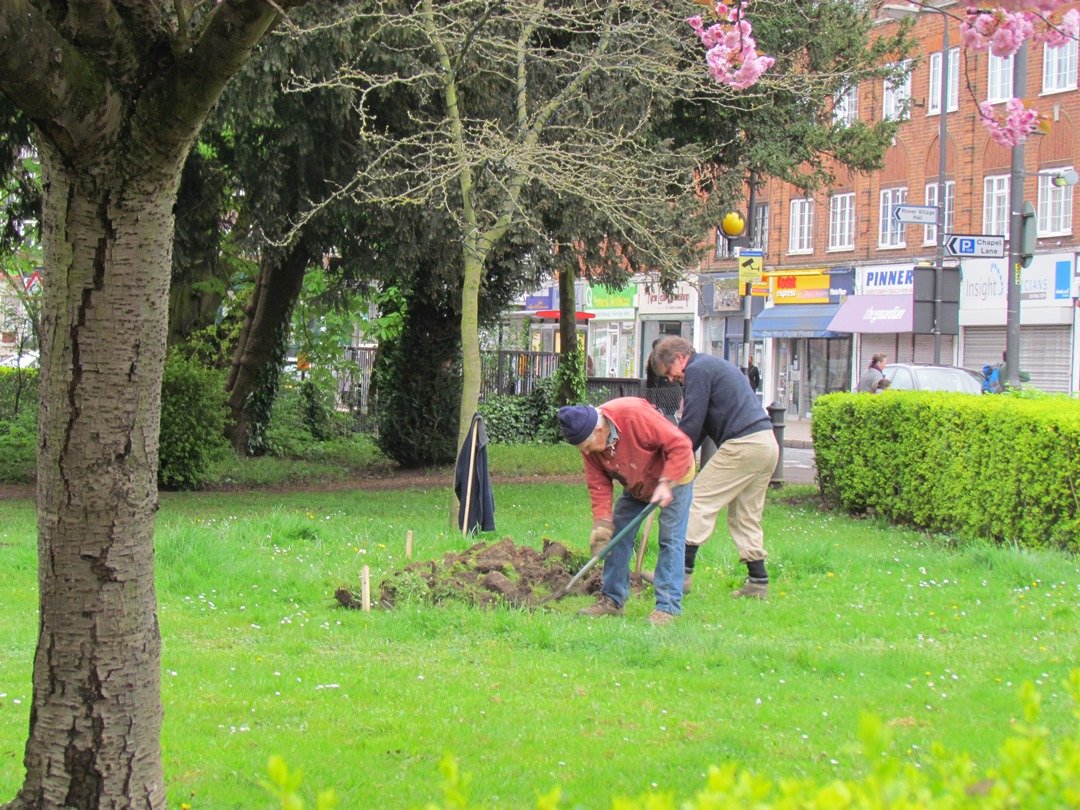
(578, 422)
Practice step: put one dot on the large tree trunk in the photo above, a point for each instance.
(95, 720)
(276, 291)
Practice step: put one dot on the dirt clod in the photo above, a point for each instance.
(499, 573)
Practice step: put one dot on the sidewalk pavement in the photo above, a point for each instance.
(797, 433)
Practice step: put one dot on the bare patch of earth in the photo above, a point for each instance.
(486, 575)
(396, 479)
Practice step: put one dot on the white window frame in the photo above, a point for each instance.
(723, 248)
(996, 205)
(1055, 211)
(933, 98)
(760, 237)
(1059, 67)
(846, 106)
(842, 221)
(999, 78)
(896, 96)
(801, 226)
(891, 234)
(930, 231)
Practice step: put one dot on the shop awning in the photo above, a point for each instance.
(874, 314)
(797, 320)
(553, 315)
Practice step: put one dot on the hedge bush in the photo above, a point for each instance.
(1004, 467)
(18, 425)
(193, 414)
(528, 419)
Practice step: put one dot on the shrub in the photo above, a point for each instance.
(419, 383)
(529, 419)
(1003, 467)
(193, 416)
(18, 392)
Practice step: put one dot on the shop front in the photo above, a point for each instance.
(723, 323)
(880, 318)
(612, 348)
(664, 316)
(1047, 315)
(807, 357)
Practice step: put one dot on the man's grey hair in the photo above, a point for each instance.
(664, 354)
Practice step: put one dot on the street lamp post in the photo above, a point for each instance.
(1016, 235)
(943, 134)
(897, 12)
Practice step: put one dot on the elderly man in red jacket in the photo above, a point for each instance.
(629, 441)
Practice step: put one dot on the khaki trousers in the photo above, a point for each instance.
(737, 476)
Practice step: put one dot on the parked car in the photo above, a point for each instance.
(24, 360)
(916, 377)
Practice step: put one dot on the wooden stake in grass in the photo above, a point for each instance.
(408, 545)
(365, 588)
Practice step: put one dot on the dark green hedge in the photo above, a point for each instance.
(1004, 467)
(193, 414)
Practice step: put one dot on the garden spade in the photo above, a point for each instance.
(629, 528)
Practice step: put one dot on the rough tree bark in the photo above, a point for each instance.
(117, 93)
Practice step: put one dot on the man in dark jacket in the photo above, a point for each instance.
(629, 441)
(718, 402)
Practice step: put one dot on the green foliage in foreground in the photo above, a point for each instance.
(932, 635)
(1035, 771)
(1004, 467)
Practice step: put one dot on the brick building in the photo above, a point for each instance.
(840, 265)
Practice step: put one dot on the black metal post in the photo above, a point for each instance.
(777, 412)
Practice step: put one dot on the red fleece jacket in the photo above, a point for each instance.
(649, 448)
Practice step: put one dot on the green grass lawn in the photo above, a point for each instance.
(933, 636)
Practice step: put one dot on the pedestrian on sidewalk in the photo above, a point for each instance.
(630, 441)
(872, 381)
(719, 403)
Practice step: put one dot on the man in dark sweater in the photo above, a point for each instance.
(718, 402)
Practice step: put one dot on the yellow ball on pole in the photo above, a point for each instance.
(733, 223)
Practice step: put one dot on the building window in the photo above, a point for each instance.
(723, 249)
(760, 237)
(1055, 204)
(896, 98)
(842, 222)
(801, 237)
(1059, 67)
(933, 100)
(890, 232)
(999, 79)
(996, 206)
(846, 107)
(930, 232)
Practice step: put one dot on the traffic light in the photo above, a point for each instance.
(1028, 232)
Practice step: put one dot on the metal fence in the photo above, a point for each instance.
(505, 372)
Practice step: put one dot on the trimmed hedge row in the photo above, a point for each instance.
(1004, 467)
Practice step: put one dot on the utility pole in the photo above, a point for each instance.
(1016, 234)
(943, 137)
(747, 301)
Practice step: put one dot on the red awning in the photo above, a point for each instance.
(553, 314)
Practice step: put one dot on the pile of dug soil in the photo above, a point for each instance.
(499, 573)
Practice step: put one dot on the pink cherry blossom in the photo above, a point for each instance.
(1059, 32)
(999, 31)
(1011, 128)
(732, 54)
